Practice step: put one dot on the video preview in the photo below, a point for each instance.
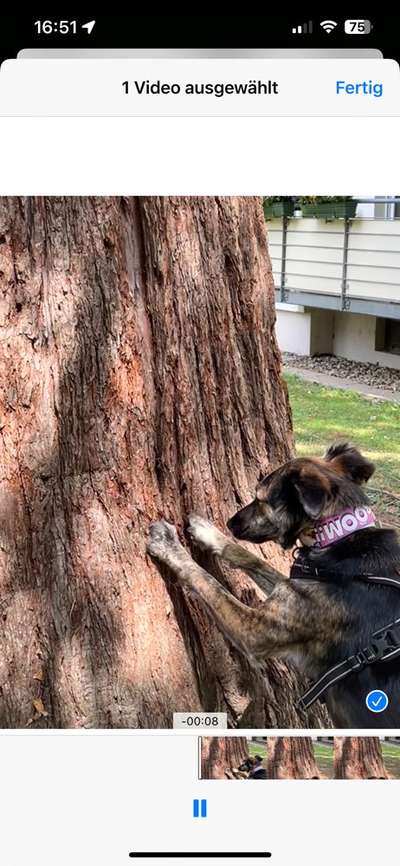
(199, 414)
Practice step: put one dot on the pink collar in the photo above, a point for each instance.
(332, 529)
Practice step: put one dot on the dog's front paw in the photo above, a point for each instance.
(205, 535)
(163, 540)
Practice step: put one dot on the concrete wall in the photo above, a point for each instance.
(293, 329)
(354, 338)
(304, 331)
(309, 331)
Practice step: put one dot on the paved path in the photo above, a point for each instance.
(344, 384)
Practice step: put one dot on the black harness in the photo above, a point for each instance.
(384, 644)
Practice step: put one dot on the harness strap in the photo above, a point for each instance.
(387, 581)
(385, 645)
(302, 569)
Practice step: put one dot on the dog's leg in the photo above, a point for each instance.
(233, 773)
(237, 621)
(208, 537)
(270, 629)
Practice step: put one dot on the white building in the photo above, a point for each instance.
(338, 283)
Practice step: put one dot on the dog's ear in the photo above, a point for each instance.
(313, 490)
(347, 460)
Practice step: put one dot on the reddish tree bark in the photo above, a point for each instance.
(140, 378)
(359, 758)
(291, 758)
(221, 755)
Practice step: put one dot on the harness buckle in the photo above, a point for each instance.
(381, 644)
(364, 657)
(392, 639)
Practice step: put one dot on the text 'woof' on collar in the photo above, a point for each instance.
(329, 530)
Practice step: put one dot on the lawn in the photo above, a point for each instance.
(391, 756)
(321, 415)
(256, 749)
(324, 758)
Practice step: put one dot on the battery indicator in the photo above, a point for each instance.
(357, 27)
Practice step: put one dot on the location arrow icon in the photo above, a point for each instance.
(89, 26)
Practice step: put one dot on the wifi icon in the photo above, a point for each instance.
(328, 26)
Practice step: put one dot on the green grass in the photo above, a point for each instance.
(391, 749)
(324, 759)
(391, 756)
(322, 751)
(256, 749)
(321, 415)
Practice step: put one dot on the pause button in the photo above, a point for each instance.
(199, 808)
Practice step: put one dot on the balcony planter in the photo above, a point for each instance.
(330, 209)
(278, 209)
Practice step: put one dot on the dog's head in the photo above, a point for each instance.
(291, 499)
(246, 765)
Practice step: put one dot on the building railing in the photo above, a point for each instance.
(352, 264)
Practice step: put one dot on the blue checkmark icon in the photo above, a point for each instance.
(377, 701)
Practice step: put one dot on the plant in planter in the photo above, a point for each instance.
(329, 207)
(308, 204)
(278, 206)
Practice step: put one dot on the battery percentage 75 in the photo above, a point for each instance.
(357, 27)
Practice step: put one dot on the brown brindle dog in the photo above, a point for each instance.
(318, 620)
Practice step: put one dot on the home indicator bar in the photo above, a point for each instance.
(254, 855)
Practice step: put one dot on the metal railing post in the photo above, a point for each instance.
(284, 293)
(346, 302)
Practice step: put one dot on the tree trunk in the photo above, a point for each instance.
(220, 755)
(140, 378)
(291, 758)
(359, 758)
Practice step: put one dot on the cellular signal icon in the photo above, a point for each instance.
(303, 28)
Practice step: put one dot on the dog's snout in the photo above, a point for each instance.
(235, 524)
(239, 524)
(252, 524)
